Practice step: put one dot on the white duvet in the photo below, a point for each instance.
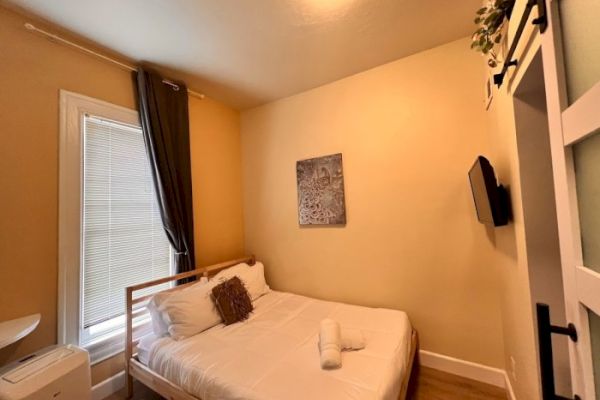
(274, 354)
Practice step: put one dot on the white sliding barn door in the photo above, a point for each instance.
(571, 56)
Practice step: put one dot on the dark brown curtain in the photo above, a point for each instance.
(165, 123)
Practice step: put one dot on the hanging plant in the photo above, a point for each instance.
(491, 20)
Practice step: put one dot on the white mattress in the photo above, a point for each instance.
(144, 346)
(274, 354)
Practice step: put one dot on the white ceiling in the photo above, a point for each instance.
(248, 52)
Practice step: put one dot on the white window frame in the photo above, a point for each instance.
(73, 109)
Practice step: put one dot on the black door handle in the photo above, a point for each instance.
(545, 331)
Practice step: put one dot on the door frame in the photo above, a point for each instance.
(565, 129)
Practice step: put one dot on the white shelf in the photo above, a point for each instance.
(15, 329)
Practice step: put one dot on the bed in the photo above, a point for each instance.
(274, 354)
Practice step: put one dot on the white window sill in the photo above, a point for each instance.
(113, 343)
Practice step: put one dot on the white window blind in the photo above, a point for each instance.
(123, 238)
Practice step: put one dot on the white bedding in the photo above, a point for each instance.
(144, 346)
(274, 354)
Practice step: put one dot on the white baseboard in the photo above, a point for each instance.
(108, 386)
(466, 369)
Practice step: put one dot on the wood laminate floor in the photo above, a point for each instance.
(431, 384)
(426, 384)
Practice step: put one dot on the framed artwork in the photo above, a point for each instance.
(321, 191)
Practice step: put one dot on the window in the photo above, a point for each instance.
(111, 234)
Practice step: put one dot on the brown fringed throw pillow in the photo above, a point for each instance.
(232, 300)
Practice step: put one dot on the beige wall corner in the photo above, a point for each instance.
(217, 175)
(409, 131)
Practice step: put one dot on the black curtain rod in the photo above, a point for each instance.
(541, 21)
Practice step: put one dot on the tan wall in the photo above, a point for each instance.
(217, 181)
(32, 70)
(409, 131)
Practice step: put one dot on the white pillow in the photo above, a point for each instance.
(159, 327)
(189, 311)
(253, 278)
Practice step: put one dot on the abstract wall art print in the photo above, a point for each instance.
(321, 191)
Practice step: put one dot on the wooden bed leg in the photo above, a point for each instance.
(129, 386)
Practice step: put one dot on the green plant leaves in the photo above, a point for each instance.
(491, 20)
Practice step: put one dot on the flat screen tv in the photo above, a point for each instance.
(490, 198)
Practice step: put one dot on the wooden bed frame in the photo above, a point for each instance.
(169, 390)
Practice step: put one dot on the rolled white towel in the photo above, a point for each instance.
(352, 339)
(330, 344)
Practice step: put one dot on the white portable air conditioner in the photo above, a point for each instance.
(54, 373)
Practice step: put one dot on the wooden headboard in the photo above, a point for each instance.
(131, 300)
